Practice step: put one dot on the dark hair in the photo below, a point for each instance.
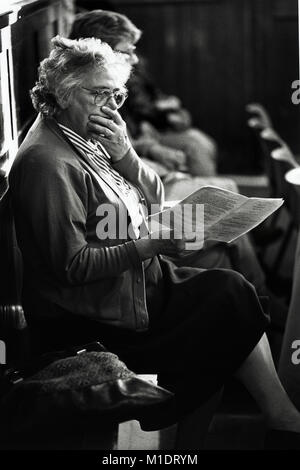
(109, 26)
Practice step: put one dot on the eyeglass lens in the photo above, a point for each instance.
(105, 95)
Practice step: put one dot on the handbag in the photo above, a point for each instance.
(89, 384)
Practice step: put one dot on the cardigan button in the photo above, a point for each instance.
(138, 280)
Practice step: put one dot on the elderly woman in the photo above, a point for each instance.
(195, 328)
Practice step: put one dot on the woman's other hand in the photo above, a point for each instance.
(110, 129)
(153, 244)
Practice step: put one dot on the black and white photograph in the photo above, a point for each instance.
(149, 230)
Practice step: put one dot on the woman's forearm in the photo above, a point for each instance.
(92, 264)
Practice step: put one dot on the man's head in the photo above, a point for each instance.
(111, 27)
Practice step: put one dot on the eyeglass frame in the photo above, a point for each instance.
(97, 95)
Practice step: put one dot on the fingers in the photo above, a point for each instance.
(101, 126)
(113, 114)
(100, 131)
(108, 127)
(99, 120)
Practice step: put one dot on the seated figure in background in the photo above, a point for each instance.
(84, 283)
(163, 117)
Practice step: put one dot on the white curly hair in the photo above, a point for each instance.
(67, 67)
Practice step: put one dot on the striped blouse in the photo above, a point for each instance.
(98, 155)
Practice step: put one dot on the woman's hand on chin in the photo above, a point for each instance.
(110, 129)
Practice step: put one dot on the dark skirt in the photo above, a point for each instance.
(203, 325)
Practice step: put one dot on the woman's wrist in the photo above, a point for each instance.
(115, 158)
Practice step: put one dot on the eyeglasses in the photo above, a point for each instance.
(101, 97)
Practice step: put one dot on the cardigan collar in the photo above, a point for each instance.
(54, 127)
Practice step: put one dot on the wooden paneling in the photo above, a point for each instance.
(31, 42)
(217, 56)
(25, 40)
